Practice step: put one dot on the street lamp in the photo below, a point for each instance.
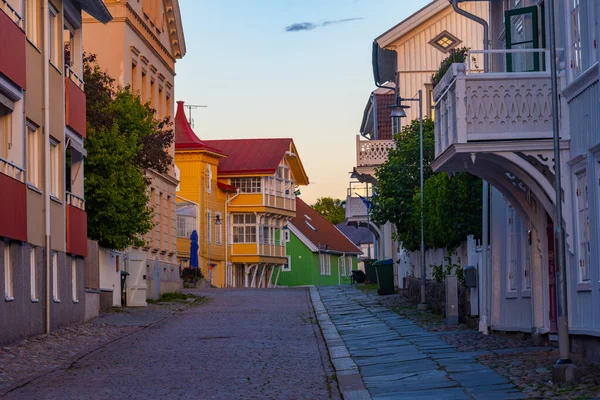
(398, 111)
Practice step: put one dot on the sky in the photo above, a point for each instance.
(286, 68)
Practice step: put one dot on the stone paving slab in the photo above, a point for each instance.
(397, 359)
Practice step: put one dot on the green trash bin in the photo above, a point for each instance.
(370, 270)
(384, 270)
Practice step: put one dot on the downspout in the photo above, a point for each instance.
(484, 323)
(46, 73)
(226, 219)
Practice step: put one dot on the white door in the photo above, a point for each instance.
(136, 281)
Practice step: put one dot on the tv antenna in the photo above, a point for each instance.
(191, 107)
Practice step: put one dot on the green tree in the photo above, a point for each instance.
(331, 209)
(452, 207)
(123, 140)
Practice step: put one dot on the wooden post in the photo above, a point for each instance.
(278, 272)
(271, 276)
(254, 275)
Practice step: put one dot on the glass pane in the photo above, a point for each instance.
(522, 62)
(521, 28)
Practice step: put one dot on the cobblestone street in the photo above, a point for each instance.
(244, 344)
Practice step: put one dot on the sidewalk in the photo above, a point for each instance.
(398, 359)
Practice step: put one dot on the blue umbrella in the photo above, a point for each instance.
(194, 249)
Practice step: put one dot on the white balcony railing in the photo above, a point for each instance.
(12, 170)
(473, 106)
(75, 201)
(76, 79)
(355, 208)
(371, 153)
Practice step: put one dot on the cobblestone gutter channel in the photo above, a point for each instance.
(394, 358)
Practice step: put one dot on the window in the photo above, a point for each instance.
(286, 235)
(583, 227)
(209, 228)
(349, 265)
(54, 169)
(325, 264)
(31, 21)
(33, 155)
(8, 272)
(218, 229)
(247, 185)
(445, 42)
(159, 108)
(244, 228)
(342, 265)
(265, 236)
(287, 267)
(74, 279)
(152, 93)
(512, 250)
(576, 62)
(160, 221)
(185, 226)
(53, 33)
(134, 78)
(55, 294)
(32, 274)
(5, 131)
(527, 265)
(209, 177)
(169, 111)
(168, 247)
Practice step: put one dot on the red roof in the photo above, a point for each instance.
(320, 231)
(185, 138)
(226, 187)
(250, 156)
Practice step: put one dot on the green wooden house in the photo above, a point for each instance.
(318, 252)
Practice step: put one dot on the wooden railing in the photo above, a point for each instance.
(75, 201)
(12, 13)
(372, 152)
(76, 79)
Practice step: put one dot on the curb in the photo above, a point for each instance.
(349, 379)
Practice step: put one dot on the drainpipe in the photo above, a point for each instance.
(46, 73)
(226, 219)
(484, 323)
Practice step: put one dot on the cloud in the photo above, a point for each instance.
(309, 26)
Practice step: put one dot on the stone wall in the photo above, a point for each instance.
(435, 295)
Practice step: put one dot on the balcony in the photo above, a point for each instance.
(371, 153)
(13, 212)
(356, 210)
(473, 107)
(12, 45)
(75, 104)
(76, 225)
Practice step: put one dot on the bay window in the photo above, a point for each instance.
(247, 185)
(244, 228)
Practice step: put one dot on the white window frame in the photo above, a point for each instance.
(325, 261)
(287, 267)
(342, 265)
(55, 286)
(33, 155)
(248, 185)
(74, 279)
(219, 229)
(209, 177)
(8, 272)
(6, 130)
(581, 38)
(583, 224)
(53, 35)
(209, 228)
(243, 232)
(33, 274)
(349, 265)
(54, 169)
(31, 21)
(286, 235)
(185, 226)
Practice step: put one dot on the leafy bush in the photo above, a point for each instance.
(458, 55)
(191, 276)
(441, 271)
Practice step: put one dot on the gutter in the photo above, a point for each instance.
(46, 112)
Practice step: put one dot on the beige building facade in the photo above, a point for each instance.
(139, 49)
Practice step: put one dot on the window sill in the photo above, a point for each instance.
(56, 300)
(526, 293)
(8, 299)
(511, 295)
(75, 301)
(35, 300)
(34, 188)
(56, 199)
(584, 287)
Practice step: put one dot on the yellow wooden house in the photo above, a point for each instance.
(238, 195)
